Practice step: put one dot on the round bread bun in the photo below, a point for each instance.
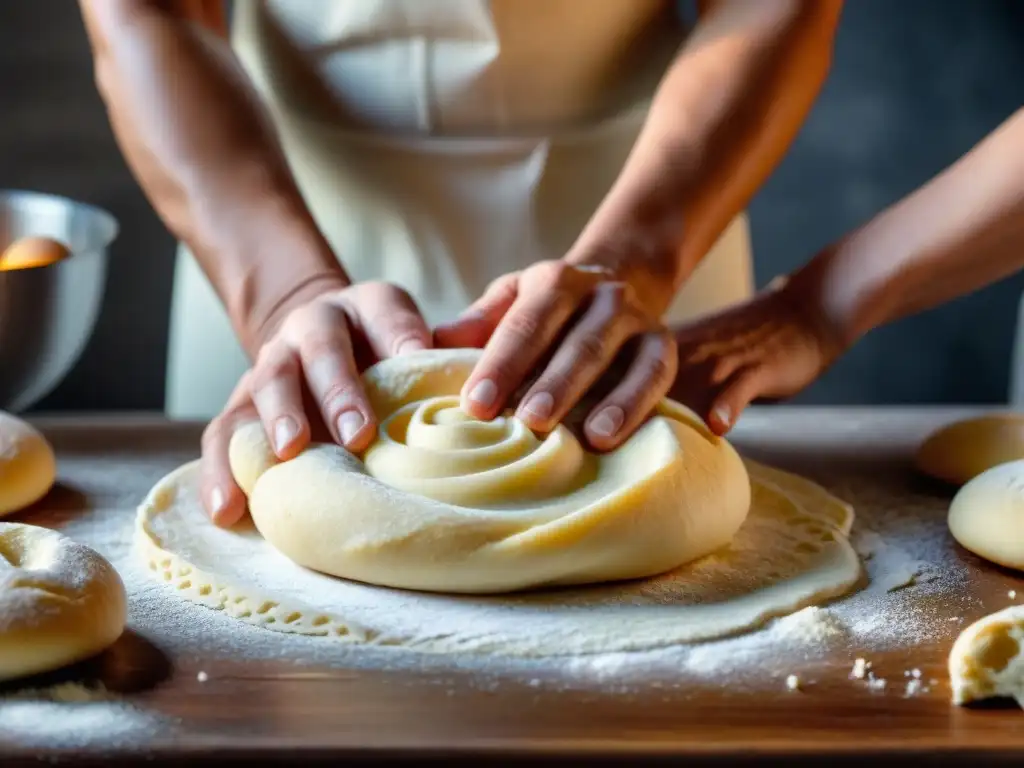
(985, 515)
(60, 601)
(963, 450)
(28, 467)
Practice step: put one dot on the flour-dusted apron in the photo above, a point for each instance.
(386, 144)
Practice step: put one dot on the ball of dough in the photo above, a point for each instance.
(60, 601)
(963, 450)
(443, 502)
(987, 515)
(28, 466)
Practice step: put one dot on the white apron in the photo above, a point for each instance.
(440, 145)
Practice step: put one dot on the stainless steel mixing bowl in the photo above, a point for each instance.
(47, 314)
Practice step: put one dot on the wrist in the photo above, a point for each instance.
(642, 250)
(272, 259)
(831, 297)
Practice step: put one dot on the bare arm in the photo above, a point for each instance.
(723, 118)
(958, 233)
(204, 150)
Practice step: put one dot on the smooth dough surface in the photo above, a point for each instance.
(987, 661)
(791, 549)
(28, 467)
(443, 502)
(961, 451)
(987, 515)
(60, 601)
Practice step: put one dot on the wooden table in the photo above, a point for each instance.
(266, 713)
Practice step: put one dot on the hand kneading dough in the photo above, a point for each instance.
(987, 515)
(28, 467)
(443, 502)
(60, 601)
(987, 661)
(963, 450)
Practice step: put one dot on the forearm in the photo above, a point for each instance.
(722, 119)
(205, 153)
(958, 233)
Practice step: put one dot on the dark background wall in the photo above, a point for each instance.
(915, 84)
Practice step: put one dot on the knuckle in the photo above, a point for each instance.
(320, 342)
(721, 369)
(337, 397)
(270, 370)
(524, 325)
(588, 347)
(401, 335)
(218, 430)
(556, 382)
(553, 273)
(661, 368)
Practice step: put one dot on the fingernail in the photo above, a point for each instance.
(608, 422)
(285, 430)
(484, 393)
(724, 414)
(411, 345)
(349, 424)
(218, 500)
(539, 406)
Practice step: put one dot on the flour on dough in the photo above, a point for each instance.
(60, 601)
(791, 551)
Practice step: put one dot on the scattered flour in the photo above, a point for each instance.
(897, 532)
(71, 715)
(890, 538)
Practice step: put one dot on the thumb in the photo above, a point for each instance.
(474, 327)
(734, 398)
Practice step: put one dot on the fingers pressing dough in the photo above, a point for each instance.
(60, 601)
(28, 467)
(963, 450)
(444, 502)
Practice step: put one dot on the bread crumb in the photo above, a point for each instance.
(860, 669)
(202, 677)
(913, 688)
(1012, 594)
(793, 683)
(876, 683)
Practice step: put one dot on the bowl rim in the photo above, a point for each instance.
(108, 227)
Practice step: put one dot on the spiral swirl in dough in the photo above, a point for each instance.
(444, 502)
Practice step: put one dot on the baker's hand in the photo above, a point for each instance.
(556, 328)
(306, 380)
(771, 347)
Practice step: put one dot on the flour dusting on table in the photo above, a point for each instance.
(910, 562)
